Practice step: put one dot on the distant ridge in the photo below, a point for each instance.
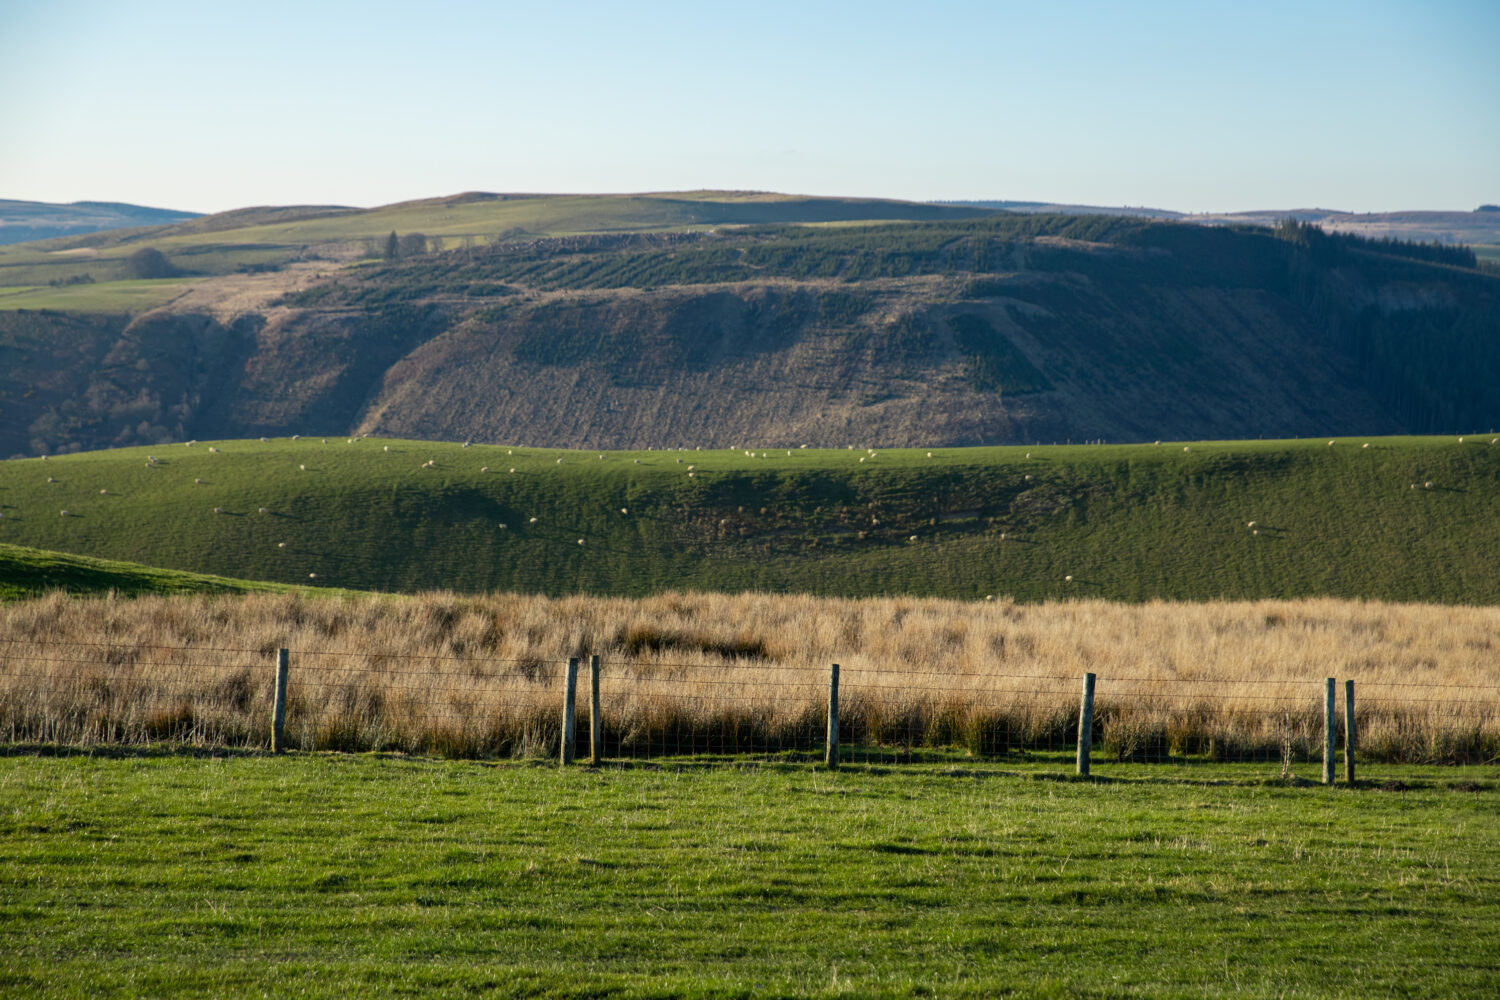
(24, 221)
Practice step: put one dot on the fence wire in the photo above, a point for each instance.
(94, 694)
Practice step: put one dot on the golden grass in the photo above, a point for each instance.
(465, 676)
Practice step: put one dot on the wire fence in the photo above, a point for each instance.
(76, 694)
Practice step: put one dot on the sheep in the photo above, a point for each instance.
(512, 470)
(263, 510)
(503, 525)
(679, 461)
(989, 597)
(281, 545)
(212, 450)
(198, 482)
(637, 461)
(484, 468)
(580, 541)
(861, 458)
(1249, 524)
(466, 444)
(262, 440)
(929, 454)
(624, 510)
(533, 520)
(913, 538)
(44, 458)
(385, 447)
(218, 510)
(1068, 578)
(692, 475)
(64, 513)
(302, 467)
(103, 493)
(1330, 444)
(51, 480)
(312, 576)
(511, 452)
(601, 458)
(559, 461)
(691, 468)
(1028, 478)
(1365, 445)
(1002, 536)
(1427, 485)
(1186, 448)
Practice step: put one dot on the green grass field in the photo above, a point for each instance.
(1125, 522)
(26, 572)
(108, 296)
(375, 876)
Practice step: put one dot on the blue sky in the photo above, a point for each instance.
(1201, 106)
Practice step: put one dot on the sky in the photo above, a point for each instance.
(1201, 106)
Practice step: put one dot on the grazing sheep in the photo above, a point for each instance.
(312, 576)
(296, 436)
(1249, 524)
(1028, 478)
(512, 470)
(103, 493)
(198, 481)
(1186, 448)
(212, 450)
(484, 468)
(385, 447)
(281, 545)
(1068, 578)
(64, 513)
(44, 458)
(302, 467)
(559, 461)
(502, 525)
(51, 480)
(691, 468)
(692, 475)
(1002, 536)
(1365, 445)
(929, 454)
(679, 461)
(913, 538)
(218, 510)
(533, 520)
(1255, 532)
(264, 511)
(580, 541)
(262, 440)
(1330, 444)
(1427, 485)
(624, 510)
(989, 597)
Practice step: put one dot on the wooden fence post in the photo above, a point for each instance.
(278, 714)
(1330, 732)
(596, 718)
(1086, 724)
(1349, 732)
(831, 755)
(569, 733)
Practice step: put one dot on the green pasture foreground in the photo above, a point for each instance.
(379, 876)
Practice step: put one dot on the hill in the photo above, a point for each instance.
(27, 572)
(24, 221)
(653, 320)
(1408, 519)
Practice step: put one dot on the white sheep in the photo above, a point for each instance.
(262, 440)
(1330, 444)
(312, 576)
(1249, 524)
(64, 513)
(580, 541)
(198, 481)
(104, 493)
(1068, 578)
(913, 538)
(212, 450)
(281, 545)
(533, 520)
(264, 511)
(51, 480)
(1186, 448)
(484, 468)
(624, 510)
(302, 467)
(559, 461)
(637, 461)
(218, 510)
(385, 447)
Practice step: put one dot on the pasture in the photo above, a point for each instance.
(341, 876)
(1397, 519)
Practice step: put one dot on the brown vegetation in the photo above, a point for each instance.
(708, 673)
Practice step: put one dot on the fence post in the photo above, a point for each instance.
(1086, 724)
(831, 756)
(278, 714)
(596, 719)
(569, 733)
(1349, 732)
(1330, 733)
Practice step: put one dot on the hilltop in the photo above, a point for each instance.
(25, 221)
(1405, 519)
(712, 318)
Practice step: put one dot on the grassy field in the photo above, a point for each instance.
(1408, 519)
(1179, 684)
(26, 572)
(378, 876)
(266, 237)
(109, 296)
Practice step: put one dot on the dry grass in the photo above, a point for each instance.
(467, 676)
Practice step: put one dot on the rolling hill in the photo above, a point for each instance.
(1404, 519)
(26, 221)
(713, 318)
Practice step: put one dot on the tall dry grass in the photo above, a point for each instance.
(465, 676)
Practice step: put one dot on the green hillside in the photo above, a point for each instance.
(27, 572)
(1402, 519)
